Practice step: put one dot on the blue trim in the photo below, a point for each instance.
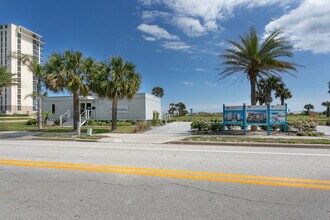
(223, 118)
(268, 119)
(286, 113)
(244, 119)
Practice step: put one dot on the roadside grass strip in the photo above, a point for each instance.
(178, 174)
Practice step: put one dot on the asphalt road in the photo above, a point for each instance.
(75, 180)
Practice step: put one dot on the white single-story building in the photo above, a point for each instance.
(141, 107)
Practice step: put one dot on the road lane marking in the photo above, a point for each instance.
(179, 174)
(103, 146)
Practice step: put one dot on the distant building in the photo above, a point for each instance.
(18, 40)
(141, 107)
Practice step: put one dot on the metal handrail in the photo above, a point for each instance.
(61, 116)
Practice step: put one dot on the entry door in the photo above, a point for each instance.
(82, 107)
(89, 109)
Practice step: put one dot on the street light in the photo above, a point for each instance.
(191, 113)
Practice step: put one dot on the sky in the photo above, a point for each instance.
(175, 43)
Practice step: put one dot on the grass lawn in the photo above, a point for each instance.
(16, 126)
(70, 136)
(14, 119)
(21, 126)
(259, 140)
(199, 117)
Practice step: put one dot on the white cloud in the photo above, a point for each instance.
(190, 26)
(198, 17)
(308, 26)
(177, 45)
(189, 83)
(210, 84)
(156, 32)
(150, 16)
(148, 38)
(200, 69)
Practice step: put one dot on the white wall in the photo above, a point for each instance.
(141, 107)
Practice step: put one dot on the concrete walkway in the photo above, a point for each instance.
(324, 129)
(170, 132)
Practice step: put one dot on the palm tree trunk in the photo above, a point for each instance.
(75, 109)
(282, 100)
(253, 97)
(39, 105)
(328, 111)
(268, 96)
(114, 114)
(253, 90)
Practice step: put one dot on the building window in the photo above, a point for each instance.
(53, 108)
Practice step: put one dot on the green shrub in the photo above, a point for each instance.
(327, 122)
(200, 125)
(215, 125)
(31, 122)
(141, 126)
(57, 121)
(124, 123)
(310, 133)
(204, 125)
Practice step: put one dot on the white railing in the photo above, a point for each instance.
(85, 116)
(65, 116)
(167, 117)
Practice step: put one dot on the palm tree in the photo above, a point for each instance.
(6, 78)
(69, 71)
(260, 95)
(308, 107)
(115, 80)
(327, 104)
(171, 108)
(283, 93)
(267, 86)
(181, 108)
(37, 69)
(256, 59)
(158, 91)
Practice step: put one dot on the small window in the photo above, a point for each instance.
(53, 108)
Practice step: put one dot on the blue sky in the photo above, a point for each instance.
(175, 43)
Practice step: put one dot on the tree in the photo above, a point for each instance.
(268, 85)
(115, 80)
(327, 105)
(256, 59)
(69, 71)
(171, 108)
(283, 93)
(6, 78)
(158, 91)
(329, 87)
(37, 69)
(181, 107)
(308, 107)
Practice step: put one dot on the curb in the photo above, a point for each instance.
(63, 139)
(252, 144)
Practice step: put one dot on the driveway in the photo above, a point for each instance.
(170, 132)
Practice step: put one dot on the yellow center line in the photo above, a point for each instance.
(180, 174)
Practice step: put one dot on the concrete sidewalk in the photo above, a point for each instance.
(170, 132)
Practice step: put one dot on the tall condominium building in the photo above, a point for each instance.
(17, 40)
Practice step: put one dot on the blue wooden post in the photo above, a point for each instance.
(268, 119)
(223, 117)
(244, 119)
(286, 112)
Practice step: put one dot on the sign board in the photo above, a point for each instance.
(277, 117)
(255, 115)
